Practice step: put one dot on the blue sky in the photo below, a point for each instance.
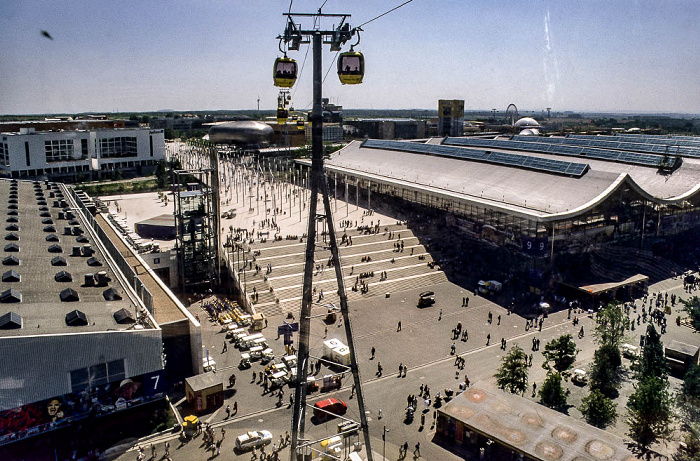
(612, 55)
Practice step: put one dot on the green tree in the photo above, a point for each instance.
(692, 308)
(691, 385)
(512, 375)
(161, 175)
(604, 372)
(599, 410)
(610, 325)
(652, 362)
(649, 410)
(552, 394)
(560, 354)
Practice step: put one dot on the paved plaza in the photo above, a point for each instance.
(422, 345)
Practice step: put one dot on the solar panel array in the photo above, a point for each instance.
(685, 146)
(555, 148)
(498, 158)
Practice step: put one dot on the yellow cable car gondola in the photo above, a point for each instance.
(301, 124)
(282, 115)
(351, 67)
(285, 72)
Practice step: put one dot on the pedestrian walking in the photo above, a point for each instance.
(488, 339)
(373, 351)
(405, 447)
(399, 327)
(416, 451)
(379, 369)
(499, 320)
(225, 348)
(235, 407)
(440, 315)
(153, 451)
(400, 369)
(167, 448)
(405, 370)
(228, 411)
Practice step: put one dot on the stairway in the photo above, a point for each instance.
(280, 291)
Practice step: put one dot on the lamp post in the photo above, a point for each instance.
(384, 443)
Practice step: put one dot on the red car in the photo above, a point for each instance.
(331, 405)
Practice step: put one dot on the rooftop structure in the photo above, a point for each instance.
(532, 190)
(522, 427)
(78, 316)
(59, 269)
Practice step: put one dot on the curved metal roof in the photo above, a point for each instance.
(531, 194)
(241, 132)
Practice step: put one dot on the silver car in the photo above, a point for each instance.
(253, 439)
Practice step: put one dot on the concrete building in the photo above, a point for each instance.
(85, 331)
(491, 424)
(179, 123)
(386, 128)
(552, 201)
(80, 154)
(450, 117)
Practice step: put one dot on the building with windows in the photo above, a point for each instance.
(386, 128)
(84, 333)
(450, 117)
(80, 154)
(536, 197)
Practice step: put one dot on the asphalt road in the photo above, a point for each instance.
(423, 345)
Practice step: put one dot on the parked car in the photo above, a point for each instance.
(334, 406)
(253, 439)
(629, 351)
(579, 377)
(490, 287)
(425, 299)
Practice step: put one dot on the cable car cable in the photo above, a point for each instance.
(301, 71)
(383, 14)
(331, 66)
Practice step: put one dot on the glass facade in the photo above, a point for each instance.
(59, 150)
(121, 146)
(624, 216)
(4, 154)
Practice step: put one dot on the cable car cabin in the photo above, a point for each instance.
(282, 115)
(285, 72)
(301, 124)
(351, 67)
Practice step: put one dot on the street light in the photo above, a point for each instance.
(384, 443)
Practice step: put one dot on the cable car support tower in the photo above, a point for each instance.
(293, 37)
